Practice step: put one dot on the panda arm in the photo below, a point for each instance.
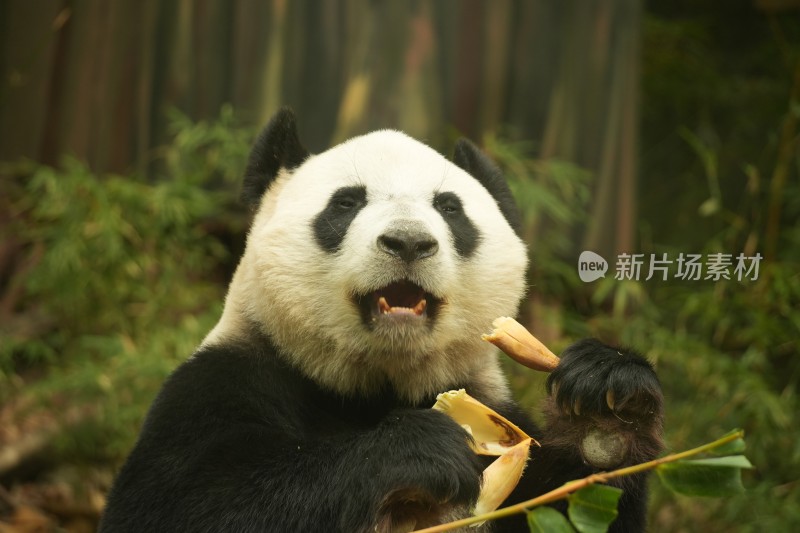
(234, 444)
(343, 482)
(579, 406)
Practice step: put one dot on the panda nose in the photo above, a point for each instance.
(408, 246)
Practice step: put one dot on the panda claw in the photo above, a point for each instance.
(610, 399)
(554, 389)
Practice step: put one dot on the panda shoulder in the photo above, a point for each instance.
(226, 380)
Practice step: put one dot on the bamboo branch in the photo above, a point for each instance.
(565, 490)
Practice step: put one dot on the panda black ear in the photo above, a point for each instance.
(470, 158)
(276, 147)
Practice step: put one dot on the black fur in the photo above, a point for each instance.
(276, 147)
(469, 157)
(630, 378)
(465, 235)
(239, 441)
(330, 226)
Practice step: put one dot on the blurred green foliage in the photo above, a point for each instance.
(720, 112)
(126, 275)
(554, 196)
(725, 351)
(726, 355)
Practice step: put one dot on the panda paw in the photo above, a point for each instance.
(595, 379)
(429, 471)
(431, 453)
(608, 402)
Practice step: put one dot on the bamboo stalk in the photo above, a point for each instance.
(519, 344)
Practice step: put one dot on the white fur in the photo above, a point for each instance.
(301, 295)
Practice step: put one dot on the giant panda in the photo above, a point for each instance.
(370, 272)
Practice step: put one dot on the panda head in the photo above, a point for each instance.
(377, 263)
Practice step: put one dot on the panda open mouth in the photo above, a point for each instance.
(398, 300)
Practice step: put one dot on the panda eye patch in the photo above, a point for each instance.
(465, 235)
(331, 224)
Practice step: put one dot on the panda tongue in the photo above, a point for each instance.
(385, 308)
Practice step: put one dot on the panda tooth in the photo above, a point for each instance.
(383, 306)
(420, 307)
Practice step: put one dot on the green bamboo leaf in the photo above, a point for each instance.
(548, 520)
(734, 447)
(593, 508)
(732, 461)
(720, 476)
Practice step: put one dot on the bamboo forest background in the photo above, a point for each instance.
(624, 127)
